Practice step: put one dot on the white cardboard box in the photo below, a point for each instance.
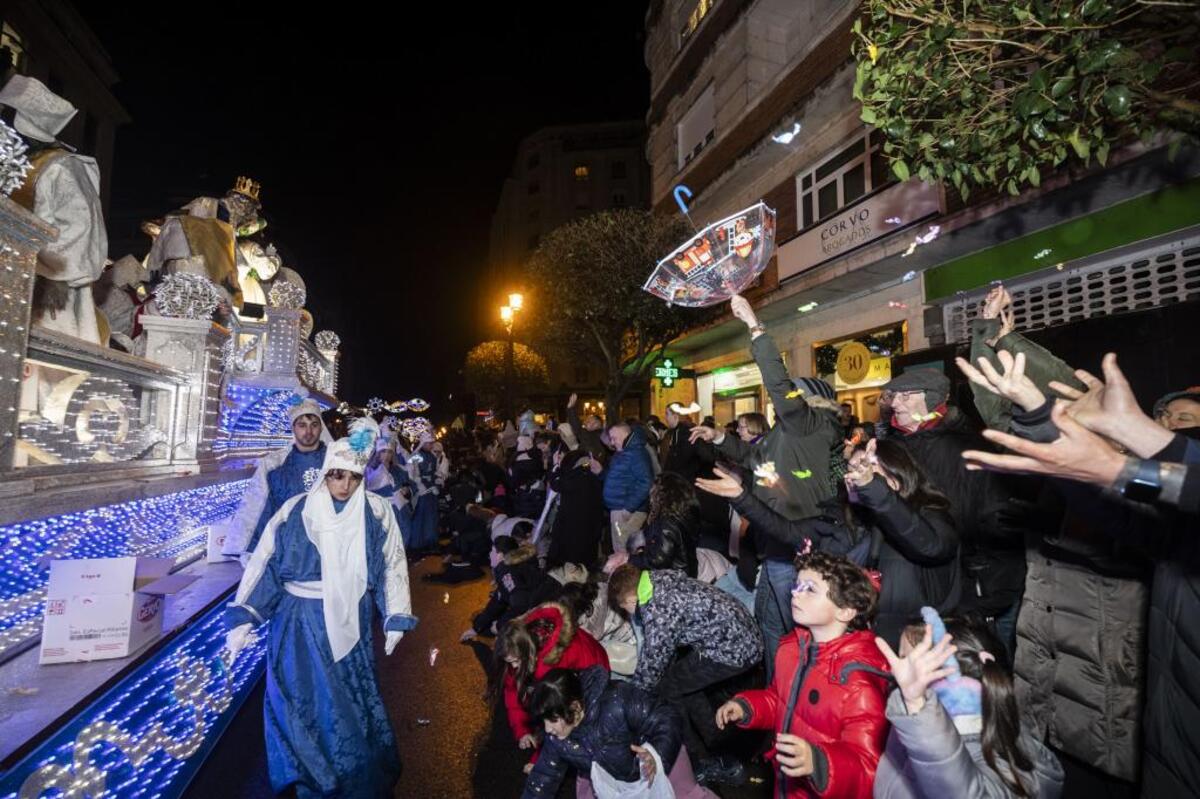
(105, 607)
(215, 534)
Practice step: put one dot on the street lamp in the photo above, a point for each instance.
(508, 315)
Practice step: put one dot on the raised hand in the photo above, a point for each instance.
(726, 484)
(996, 301)
(742, 309)
(1012, 384)
(1077, 454)
(701, 433)
(1110, 409)
(923, 666)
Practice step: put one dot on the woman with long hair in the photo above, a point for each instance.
(672, 530)
(956, 727)
(527, 648)
(890, 518)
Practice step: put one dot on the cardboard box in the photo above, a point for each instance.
(105, 607)
(215, 534)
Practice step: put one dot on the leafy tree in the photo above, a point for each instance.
(484, 370)
(588, 301)
(981, 93)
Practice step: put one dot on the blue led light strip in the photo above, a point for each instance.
(147, 736)
(168, 526)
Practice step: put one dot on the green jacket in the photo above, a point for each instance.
(1041, 366)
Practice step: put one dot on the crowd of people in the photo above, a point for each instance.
(987, 599)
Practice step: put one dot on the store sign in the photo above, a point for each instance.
(853, 363)
(667, 373)
(885, 213)
(878, 373)
(737, 377)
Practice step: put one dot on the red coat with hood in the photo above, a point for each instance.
(565, 647)
(832, 695)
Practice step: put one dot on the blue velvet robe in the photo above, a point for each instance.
(424, 534)
(402, 509)
(284, 482)
(327, 730)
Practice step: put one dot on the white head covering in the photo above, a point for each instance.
(41, 114)
(309, 407)
(684, 410)
(341, 538)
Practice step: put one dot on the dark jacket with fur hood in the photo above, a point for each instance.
(518, 580)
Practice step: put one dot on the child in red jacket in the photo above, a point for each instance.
(530, 646)
(827, 700)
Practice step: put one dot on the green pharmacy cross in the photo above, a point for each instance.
(668, 373)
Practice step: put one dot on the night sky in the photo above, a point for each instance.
(381, 144)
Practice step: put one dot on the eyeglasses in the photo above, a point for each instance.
(342, 474)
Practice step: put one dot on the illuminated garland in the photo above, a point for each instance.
(14, 165)
(186, 296)
(287, 295)
(327, 341)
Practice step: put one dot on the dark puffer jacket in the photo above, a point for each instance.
(1171, 757)
(518, 580)
(1080, 658)
(916, 550)
(630, 475)
(796, 449)
(993, 546)
(617, 716)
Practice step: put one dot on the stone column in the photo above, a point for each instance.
(22, 235)
(192, 346)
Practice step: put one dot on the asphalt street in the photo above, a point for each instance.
(452, 742)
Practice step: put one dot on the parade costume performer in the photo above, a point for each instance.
(423, 469)
(63, 189)
(322, 562)
(389, 479)
(280, 475)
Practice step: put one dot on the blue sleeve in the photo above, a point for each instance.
(261, 589)
(652, 722)
(269, 509)
(547, 773)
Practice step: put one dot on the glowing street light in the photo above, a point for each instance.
(515, 301)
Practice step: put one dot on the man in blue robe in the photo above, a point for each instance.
(427, 469)
(389, 479)
(323, 559)
(280, 475)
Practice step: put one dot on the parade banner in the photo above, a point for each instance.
(718, 262)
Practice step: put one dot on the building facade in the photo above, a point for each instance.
(48, 40)
(559, 174)
(752, 99)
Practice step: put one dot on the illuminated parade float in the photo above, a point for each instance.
(119, 465)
